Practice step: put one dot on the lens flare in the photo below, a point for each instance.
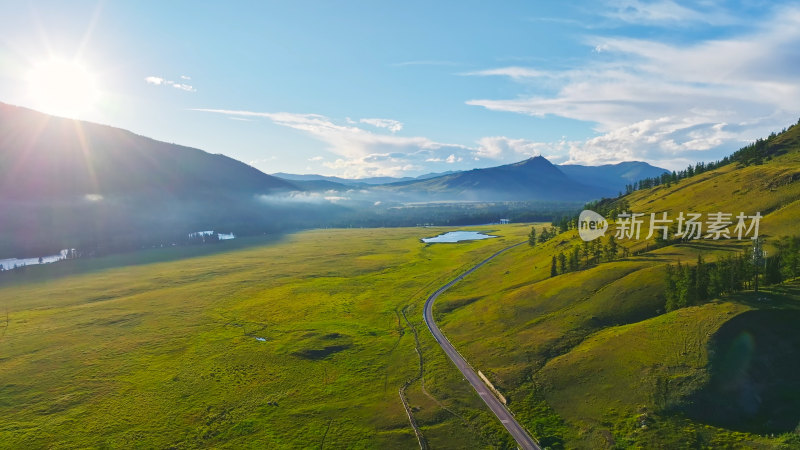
(63, 88)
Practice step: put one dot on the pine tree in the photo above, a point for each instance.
(553, 271)
(670, 291)
(574, 258)
(562, 263)
(701, 280)
(681, 286)
(611, 248)
(772, 270)
(532, 237)
(758, 259)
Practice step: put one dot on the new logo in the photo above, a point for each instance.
(591, 225)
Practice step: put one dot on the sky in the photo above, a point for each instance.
(365, 88)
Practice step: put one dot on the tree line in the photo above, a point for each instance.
(585, 255)
(544, 236)
(687, 285)
(752, 154)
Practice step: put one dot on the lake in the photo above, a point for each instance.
(8, 264)
(457, 236)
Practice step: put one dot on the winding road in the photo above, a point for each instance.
(524, 440)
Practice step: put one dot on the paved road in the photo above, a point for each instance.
(504, 415)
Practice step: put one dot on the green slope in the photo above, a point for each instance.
(582, 355)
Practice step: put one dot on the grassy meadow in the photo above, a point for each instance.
(293, 342)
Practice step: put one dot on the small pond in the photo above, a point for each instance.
(457, 236)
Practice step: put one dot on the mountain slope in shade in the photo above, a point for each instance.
(72, 184)
(535, 179)
(613, 176)
(46, 156)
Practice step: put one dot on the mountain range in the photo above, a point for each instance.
(69, 183)
(535, 179)
(368, 181)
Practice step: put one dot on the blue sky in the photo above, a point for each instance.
(376, 88)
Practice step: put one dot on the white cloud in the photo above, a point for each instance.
(667, 102)
(184, 87)
(300, 197)
(503, 148)
(391, 125)
(668, 140)
(363, 153)
(600, 48)
(666, 12)
(158, 81)
(316, 158)
(155, 80)
(514, 72)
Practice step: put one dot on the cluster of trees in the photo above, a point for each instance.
(785, 265)
(544, 236)
(755, 153)
(688, 285)
(587, 254)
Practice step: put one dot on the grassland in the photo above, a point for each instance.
(590, 359)
(297, 342)
(300, 341)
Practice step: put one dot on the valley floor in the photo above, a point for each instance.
(305, 340)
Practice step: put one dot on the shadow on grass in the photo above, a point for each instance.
(755, 359)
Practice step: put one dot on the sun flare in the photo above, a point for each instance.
(64, 88)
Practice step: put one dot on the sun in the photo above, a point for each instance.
(63, 88)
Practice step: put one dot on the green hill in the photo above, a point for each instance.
(589, 358)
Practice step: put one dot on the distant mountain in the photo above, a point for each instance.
(355, 181)
(613, 176)
(345, 181)
(325, 185)
(535, 179)
(435, 174)
(531, 180)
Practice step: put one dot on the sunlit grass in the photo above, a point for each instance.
(165, 353)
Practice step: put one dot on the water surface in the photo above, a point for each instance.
(457, 236)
